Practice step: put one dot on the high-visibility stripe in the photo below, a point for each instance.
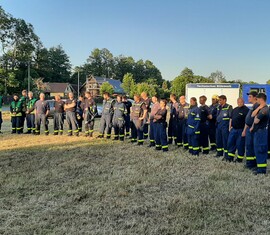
(197, 119)
(56, 131)
(86, 132)
(69, 130)
(185, 145)
(91, 131)
(190, 126)
(140, 141)
(197, 132)
(226, 151)
(145, 134)
(262, 165)
(206, 148)
(225, 119)
(76, 130)
(213, 144)
(190, 147)
(231, 154)
(250, 158)
(121, 135)
(165, 147)
(220, 149)
(196, 148)
(46, 131)
(240, 157)
(169, 137)
(152, 141)
(158, 146)
(179, 144)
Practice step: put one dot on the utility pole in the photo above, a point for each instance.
(28, 67)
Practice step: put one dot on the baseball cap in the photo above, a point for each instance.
(215, 97)
(253, 93)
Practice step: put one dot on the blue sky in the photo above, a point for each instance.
(232, 36)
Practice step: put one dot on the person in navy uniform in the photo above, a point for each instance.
(193, 127)
(155, 107)
(42, 109)
(204, 125)
(172, 131)
(70, 108)
(259, 128)
(106, 117)
(79, 112)
(89, 114)
(137, 117)
(119, 118)
(237, 124)
(128, 105)
(222, 130)
(249, 136)
(147, 102)
(182, 113)
(58, 117)
(161, 125)
(212, 122)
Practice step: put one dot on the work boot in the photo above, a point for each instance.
(61, 132)
(77, 134)
(55, 133)
(100, 136)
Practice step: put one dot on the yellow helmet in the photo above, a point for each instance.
(215, 97)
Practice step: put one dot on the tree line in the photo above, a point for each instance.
(22, 48)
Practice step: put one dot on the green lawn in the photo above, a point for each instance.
(73, 185)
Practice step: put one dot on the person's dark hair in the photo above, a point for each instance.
(223, 97)
(194, 99)
(203, 97)
(106, 93)
(163, 100)
(173, 95)
(262, 96)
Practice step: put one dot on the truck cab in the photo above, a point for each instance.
(259, 88)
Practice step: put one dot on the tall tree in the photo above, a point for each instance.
(217, 77)
(128, 83)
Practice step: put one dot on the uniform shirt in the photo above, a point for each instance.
(160, 116)
(16, 106)
(213, 111)
(154, 109)
(263, 115)
(79, 107)
(108, 107)
(147, 103)
(223, 114)
(205, 112)
(30, 105)
(59, 106)
(174, 109)
(137, 109)
(128, 106)
(69, 101)
(193, 121)
(119, 110)
(42, 106)
(23, 100)
(88, 103)
(182, 111)
(238, 117)
(249, 120)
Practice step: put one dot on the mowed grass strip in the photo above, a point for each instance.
(74, 185)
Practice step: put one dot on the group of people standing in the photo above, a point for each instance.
(196, 128)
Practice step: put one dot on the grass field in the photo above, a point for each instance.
(71, 185)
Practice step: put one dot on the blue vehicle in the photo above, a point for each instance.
(260, 88)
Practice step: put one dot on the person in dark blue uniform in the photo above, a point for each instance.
(118, 120)
(249, 136)
(79, 112)
(212, 122)
(222, 130)
(161, 125)
(193, 127)
(259, 127)
(204, 125)
(155, 107)
(89, 114)
(172, 132)
(182, 114)
(237, 124)
(128, 105)
(106, 117)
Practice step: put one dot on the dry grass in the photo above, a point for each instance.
(71, 185)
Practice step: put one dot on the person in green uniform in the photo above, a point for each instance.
(16, 115)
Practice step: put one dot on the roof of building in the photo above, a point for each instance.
(57, 87)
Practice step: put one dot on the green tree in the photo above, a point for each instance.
(217, 77)
(106, 87)
(128, 83)
(143, 87)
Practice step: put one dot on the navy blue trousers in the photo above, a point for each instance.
(193, 142)
(127, 124)
(30, 121)
(222, 134)
(153, 128)
(250, 153)
(204, 133)
(261, 149)
(161, 136)
(236, 142)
